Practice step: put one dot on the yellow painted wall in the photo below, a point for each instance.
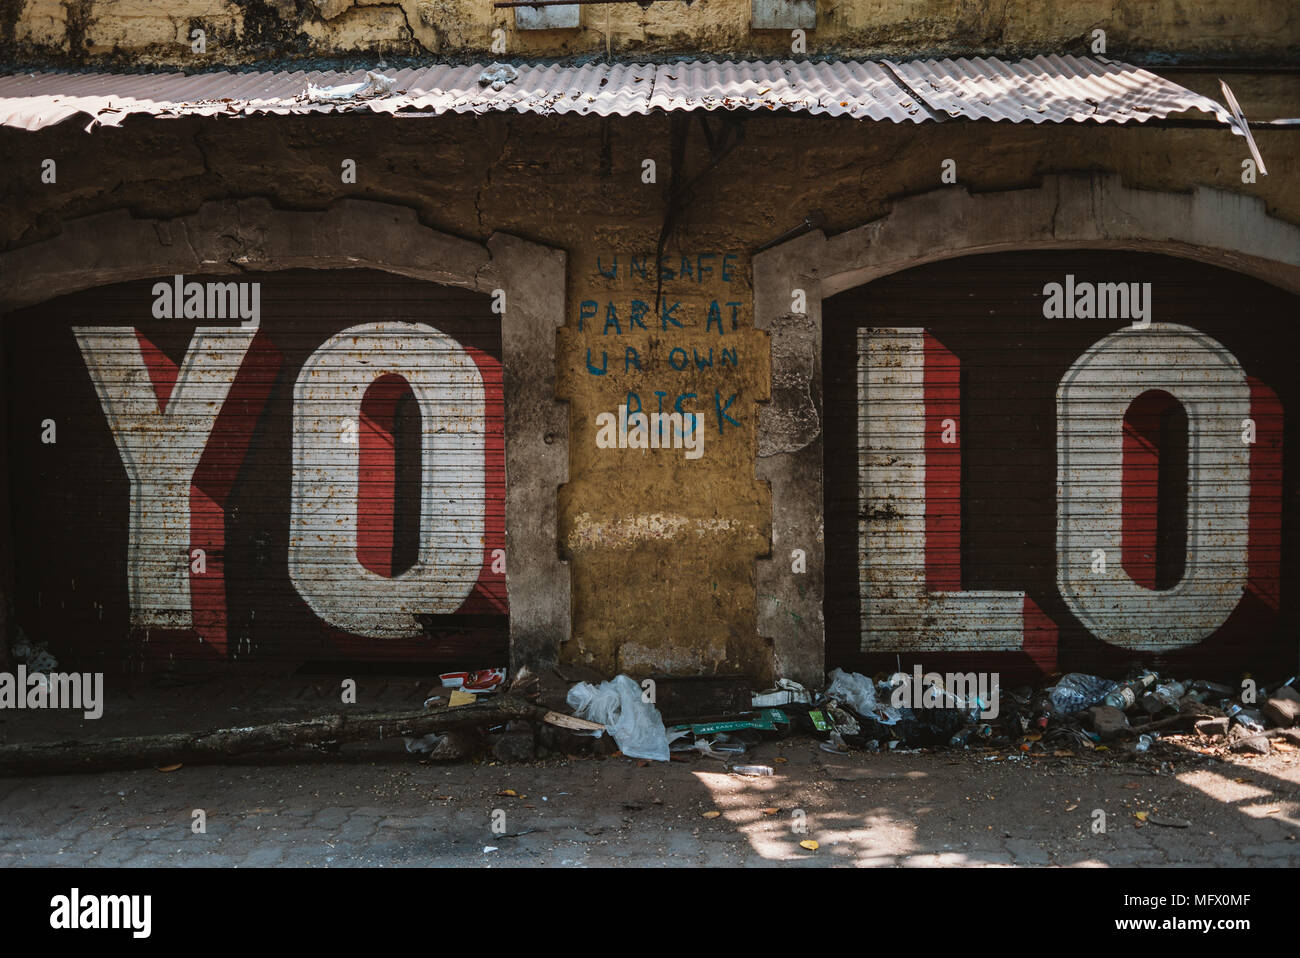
(239, 31)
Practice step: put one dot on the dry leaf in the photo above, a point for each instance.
(771, 811)
(1063, 753)
(508, 793)
(780, 761)
(809, 844)
(169, 768)
(1140, 816)
(713, 814)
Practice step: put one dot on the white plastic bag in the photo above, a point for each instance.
(853, 689)
(375, 84)
(635, 724)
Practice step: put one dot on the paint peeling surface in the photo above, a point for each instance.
(1053, 89)
(589, 532)
(313, 487)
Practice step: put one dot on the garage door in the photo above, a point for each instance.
(1073, 460)
(306, 468)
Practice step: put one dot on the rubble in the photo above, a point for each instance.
(516, 743)
(1282, 708)
(1105, 721)
(1213, 727)
(1240, 740)
(498, 76)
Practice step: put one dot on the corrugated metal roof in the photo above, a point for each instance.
(1043, 89)
(1050, 89)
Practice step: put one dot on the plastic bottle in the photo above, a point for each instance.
(1124, 696)
(972, 733)
(1166, 695)
(1289, 683)
(1246, 719)
(1211, 688)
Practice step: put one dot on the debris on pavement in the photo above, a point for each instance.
(1282, 708)
(854, 689)
(785, 692)
(486, 715)
(1124, 696)
(484, 680)
(35, 655)
(1075, 692)
(626, 713)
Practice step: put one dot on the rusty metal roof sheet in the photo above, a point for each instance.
(1050, 89)
(1042, 89)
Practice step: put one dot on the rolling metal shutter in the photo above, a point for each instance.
(1014, 492)
(327, 486)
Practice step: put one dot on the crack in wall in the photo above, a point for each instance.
(487, 178)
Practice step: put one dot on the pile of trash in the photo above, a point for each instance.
(1146, 706)
(902, 711)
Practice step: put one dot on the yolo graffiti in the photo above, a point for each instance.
(183, 431)
(1109, 404)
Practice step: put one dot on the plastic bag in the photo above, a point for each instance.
(635, 724)
(424, 745)
(853, 689)
(36, 655)
(1077, 691)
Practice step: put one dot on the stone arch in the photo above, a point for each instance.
(252, 236)
(1080, 212)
